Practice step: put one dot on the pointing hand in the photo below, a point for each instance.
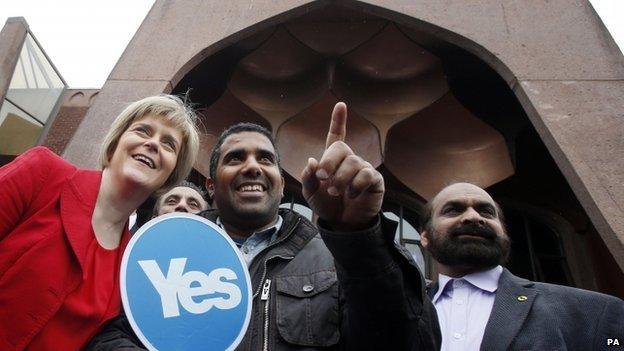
(342, 188)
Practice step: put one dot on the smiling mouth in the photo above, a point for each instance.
(251, 188)
(145, 160)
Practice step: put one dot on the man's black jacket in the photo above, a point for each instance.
(346, 291)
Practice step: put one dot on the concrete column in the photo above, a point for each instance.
(12, 39)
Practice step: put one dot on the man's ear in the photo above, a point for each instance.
(283, 184)
(424, 238)
(210, 187)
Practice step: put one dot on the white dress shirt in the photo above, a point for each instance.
(464, 306)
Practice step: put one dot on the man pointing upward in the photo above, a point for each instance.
(342, 188)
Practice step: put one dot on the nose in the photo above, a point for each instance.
(181, 208)
(472, 216)
(151, 144)
(252, 167)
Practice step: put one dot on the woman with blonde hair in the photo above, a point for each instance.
(63, 229)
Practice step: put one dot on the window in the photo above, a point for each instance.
(537, 251)
(301, 209)
(407, 236)
(30, 100)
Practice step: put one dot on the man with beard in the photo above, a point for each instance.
(351, 290)
(481, 305)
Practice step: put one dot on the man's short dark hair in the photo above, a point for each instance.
(235, 129)
(184, 183)
(425, 219)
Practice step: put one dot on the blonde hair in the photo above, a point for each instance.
(176, 113)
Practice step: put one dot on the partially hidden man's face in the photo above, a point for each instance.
(181, 199)
(248, 187)
(465, 229)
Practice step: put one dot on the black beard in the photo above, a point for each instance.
(483, 250)
(248, 219)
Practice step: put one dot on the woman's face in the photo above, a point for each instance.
(147, 152)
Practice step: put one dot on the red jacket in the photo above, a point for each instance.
(46, 205)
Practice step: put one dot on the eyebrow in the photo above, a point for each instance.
(482, 205)
(193, 198)
(172, 196)
(167, 137)
(267, 153)
(173, 140)
(486, 206)
(233, 153)
(141, 124)
(452, 204)
(241, 152)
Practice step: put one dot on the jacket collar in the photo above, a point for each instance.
(269, 234)
(290, 220)
(78, 197)
(512, 304)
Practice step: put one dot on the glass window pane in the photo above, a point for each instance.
(20, 75)
(302, 210)
(520, 261)
(416, 252)
(545, 241)
(35, 87)
(18, 131)
(554, 271)
(393, 217)
(409, 232)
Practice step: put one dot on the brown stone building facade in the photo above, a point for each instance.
(522, 98)
(74, 105)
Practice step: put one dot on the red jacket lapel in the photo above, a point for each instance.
(78, 198)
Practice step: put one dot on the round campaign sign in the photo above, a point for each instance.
(185, 285)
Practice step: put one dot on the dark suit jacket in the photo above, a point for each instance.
(537, 316)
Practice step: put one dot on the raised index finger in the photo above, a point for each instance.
(338, 125)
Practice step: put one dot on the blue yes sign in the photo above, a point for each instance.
(185, 285)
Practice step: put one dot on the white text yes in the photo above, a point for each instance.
(176, 286)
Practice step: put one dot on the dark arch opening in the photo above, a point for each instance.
(478, 87)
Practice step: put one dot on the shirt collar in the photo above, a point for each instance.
(442, 281)
(272, 230)
(275, 228)
(485, 280)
